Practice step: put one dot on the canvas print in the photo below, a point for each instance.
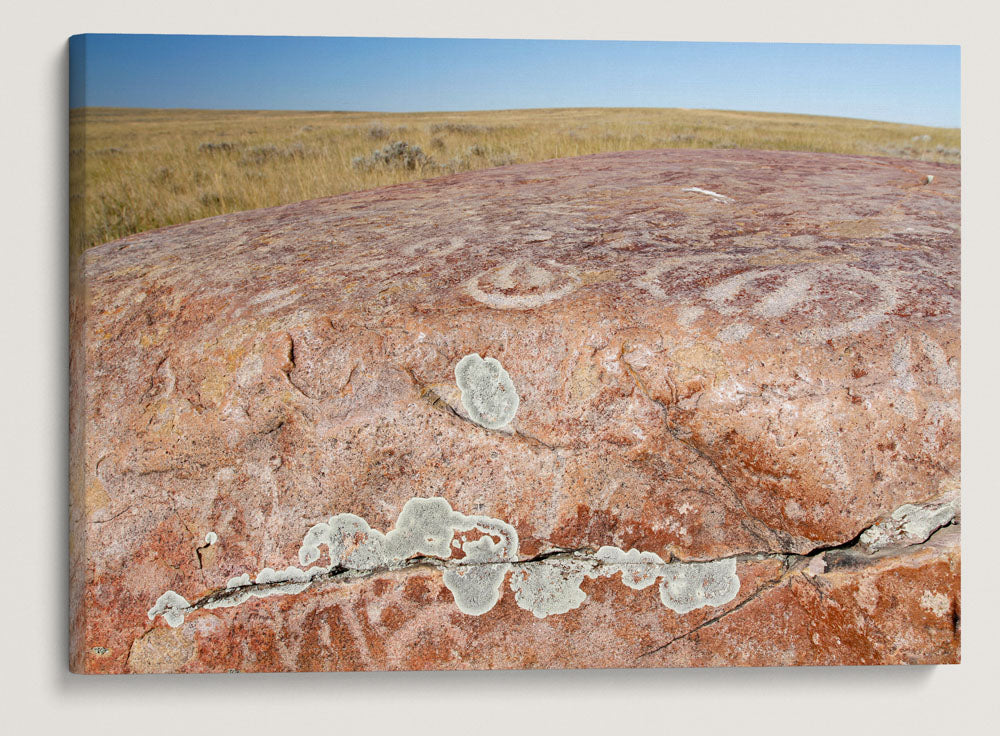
(432, 354)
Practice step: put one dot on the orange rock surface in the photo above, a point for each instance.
(718, 355)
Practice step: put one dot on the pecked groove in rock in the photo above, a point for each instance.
(698, 378)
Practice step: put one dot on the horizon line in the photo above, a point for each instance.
(500, 109)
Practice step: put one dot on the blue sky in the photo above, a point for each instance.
(898, 83)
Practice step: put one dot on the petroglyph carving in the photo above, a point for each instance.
(736, 332)
(866, 318)
(945, 372)
(906, 388)
(650, 280)
(521, 284)
(434, 247)
(773, 292)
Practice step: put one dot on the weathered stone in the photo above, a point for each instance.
(743, 357)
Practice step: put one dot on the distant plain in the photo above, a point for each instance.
(133, 170)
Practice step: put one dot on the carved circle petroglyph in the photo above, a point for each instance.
(788, 289)
(650, 279)
(911, 378)
(434, 247)
(521, 284)
(864, 319)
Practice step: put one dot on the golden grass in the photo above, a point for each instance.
(134, 170)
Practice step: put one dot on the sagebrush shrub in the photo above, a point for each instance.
(398, 155)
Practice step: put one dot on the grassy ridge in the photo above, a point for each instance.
(134, 170)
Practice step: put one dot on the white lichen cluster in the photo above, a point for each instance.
(909, 524)
(552, 586)
(488, 394)
(427, 527)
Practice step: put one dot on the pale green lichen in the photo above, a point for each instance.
(425, 532)
(553, 586)
(690, 585)
(476, 585)
(488, 394)
(639, 569)
(909, 524)
(549, 587)
(172, 606)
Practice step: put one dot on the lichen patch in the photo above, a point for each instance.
(488, 393)
(426, 531)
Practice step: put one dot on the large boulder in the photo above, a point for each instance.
(634, 409)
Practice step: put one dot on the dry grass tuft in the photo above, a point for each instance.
(134, 170)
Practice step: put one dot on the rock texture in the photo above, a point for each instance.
(747, 359)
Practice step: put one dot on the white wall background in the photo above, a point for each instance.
(36, 691)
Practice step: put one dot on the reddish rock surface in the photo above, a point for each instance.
(718, 355)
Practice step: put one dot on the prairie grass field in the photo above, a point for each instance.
(133, 170)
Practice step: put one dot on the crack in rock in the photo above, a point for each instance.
(718, 617)
(849, 555)
(425, 535)
(546, 584)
